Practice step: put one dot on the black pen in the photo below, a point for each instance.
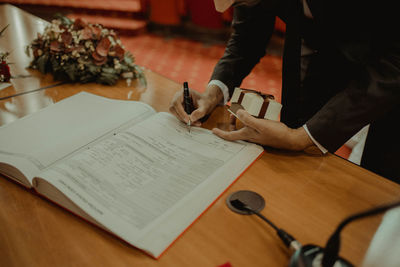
(187, 102)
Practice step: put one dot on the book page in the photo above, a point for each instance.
(151, 181)
(36, 141)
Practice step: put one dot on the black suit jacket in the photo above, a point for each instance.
(352, 79)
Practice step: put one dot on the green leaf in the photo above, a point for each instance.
(55, 65)
(42, 63)
(71, 71)
(28, 50)
(93, 69)
(108, 78)
(64, 20)
(86, 78)
(128, 58)
(140, 75)
(108, 70)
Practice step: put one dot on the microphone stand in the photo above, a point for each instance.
(332, 247)
(313, 255)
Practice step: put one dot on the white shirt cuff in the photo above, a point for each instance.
(323, 149)
(223, 87)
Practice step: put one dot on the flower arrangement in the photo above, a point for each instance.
(5, 74)
(75, 51)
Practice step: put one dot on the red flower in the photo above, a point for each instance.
(90, 32)
(79, 24)
(66, 38)
(4, 71)
(119, 52)
(96, 32)
(55, 46)
(103, 47)
(98, 59)
(86, 33)
(35, 52)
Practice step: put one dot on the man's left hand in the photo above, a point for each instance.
(266, 132)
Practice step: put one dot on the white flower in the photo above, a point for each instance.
(104, 32)
(75, 53)
(55, 28)
(127, 75)
(56, 22)
(111, 40)
(76, 39)
(88, 44)
(117, 64)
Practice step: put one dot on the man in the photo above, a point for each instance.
(341, 72)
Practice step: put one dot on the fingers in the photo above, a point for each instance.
(176, 108)
(197, 115)
(245, 133)
(247, 119)
(232, 123)
(232, 119)
(202, 103)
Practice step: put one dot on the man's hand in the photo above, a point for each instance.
(204, 104)
(266, 132)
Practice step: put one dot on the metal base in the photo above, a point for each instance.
(253, 200)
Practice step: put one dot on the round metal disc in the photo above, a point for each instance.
(253, 200)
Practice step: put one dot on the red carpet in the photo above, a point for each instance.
(185, 60)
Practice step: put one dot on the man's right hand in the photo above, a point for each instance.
(203, 103)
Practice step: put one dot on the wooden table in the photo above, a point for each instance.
(305, 195)
(22, 30)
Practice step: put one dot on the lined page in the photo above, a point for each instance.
(151, 181)
(36, 141)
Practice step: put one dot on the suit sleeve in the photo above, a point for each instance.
(252, 29)
(372, 92)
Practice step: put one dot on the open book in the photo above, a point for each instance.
(121, 165)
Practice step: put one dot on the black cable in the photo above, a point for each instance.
(287, 239)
